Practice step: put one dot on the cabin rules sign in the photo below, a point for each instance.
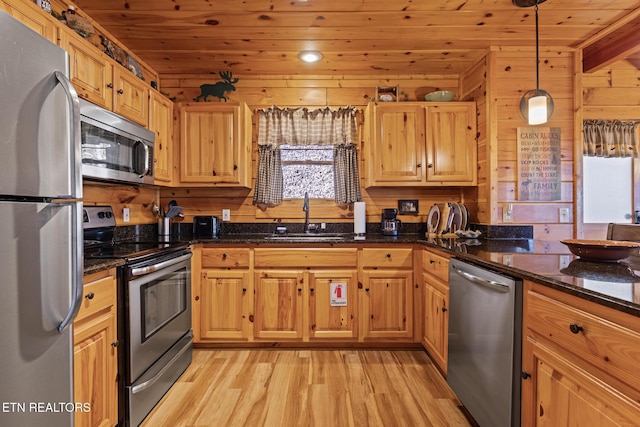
(539, 164)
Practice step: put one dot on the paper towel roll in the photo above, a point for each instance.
(359, 218)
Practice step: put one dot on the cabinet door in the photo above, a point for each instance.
(224, 305)
(95, 367)
(91, 71)
(436, 321)
(398, 144)
(451, 143)
(161, 124)
(566, 395)
(131, 96)
(211, 144)
(388, 306)
(32, 16)
(333, 304)
(278, 304)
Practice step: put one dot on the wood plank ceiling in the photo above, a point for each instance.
(359, 37)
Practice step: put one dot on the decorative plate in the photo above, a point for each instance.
(433, 220)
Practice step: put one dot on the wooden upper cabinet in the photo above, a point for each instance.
(161, 124)
(451, 143)
(215, 144)
(131, 96)
(33, 17)
(91, 70)
(102, 81)
(398, 147)
(421, 144)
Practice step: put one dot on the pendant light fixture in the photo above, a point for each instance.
(536, 106)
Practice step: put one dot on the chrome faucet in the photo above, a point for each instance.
(305, 208)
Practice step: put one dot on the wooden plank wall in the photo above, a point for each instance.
(609, 94)
(510, 73)
(310, 91)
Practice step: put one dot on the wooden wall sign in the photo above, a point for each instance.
(539, 175)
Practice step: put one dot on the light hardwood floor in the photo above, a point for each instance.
(308, 388)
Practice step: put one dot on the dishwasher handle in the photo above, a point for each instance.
(491, 284)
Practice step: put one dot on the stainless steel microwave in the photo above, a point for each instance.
(114, 148)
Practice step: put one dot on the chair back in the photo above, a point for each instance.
(628, 232)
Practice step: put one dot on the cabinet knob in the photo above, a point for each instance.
(388, 255)
(197, 298)
(120, 91)
(115, 343)
(525, 375)
(244, 290)
(429, 165)
(575, 328)
(224, 256)
(251, 318)
(110, 85)
(432, 261)
(444, 309)
(299, 290)
(366, 289)
(311, 289)
(90, 295)
(419, 165)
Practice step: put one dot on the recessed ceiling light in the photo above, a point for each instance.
(310, 56)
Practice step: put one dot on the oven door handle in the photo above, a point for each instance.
(145, 385)
(139, 271)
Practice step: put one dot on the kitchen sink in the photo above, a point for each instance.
(306, 237)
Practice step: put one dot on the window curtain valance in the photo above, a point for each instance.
(610, 138)
(303, 127)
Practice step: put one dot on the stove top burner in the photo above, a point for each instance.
(131, 251)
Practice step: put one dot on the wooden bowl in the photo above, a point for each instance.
(601, 250)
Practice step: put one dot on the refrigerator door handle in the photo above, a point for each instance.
(77, 269)
(74, 134)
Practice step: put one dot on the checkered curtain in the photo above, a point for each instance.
(610, 138)
(301, 127)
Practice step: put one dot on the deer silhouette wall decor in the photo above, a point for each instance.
(218, 89)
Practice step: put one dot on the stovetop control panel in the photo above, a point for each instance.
(98, 217)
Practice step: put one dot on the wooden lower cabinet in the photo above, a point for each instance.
(278, 304)
(580, 361)
(225, 301)
(435, 326)
(95, 370)
(387, 304)
(329, 320)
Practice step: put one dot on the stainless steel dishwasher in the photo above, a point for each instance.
(485, 342)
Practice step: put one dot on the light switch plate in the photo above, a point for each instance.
(507, 259)
(125, 215)
(564, 214)
(507, 212)
(226, 214)
(564, 261)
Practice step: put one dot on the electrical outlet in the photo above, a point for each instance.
(125, 215)
(564, 214)
(507, 212)
(564, 261)
(226, 214)
(507, 260)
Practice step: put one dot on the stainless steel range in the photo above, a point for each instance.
(154, 321)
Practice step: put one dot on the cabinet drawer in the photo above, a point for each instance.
(610, 347)
(99, 293)
(387, 257)
(225, 257)
(307, 257)
(436, 265)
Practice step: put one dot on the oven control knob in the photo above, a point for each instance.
(108, 214)
(100, 215)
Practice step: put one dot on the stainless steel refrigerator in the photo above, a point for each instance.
(40, 229)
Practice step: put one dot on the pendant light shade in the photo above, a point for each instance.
(536, 106)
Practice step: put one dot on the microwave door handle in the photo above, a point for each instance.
(145, 170)
(74, 135)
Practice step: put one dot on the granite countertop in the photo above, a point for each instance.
(616, 285)
(94, 265)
